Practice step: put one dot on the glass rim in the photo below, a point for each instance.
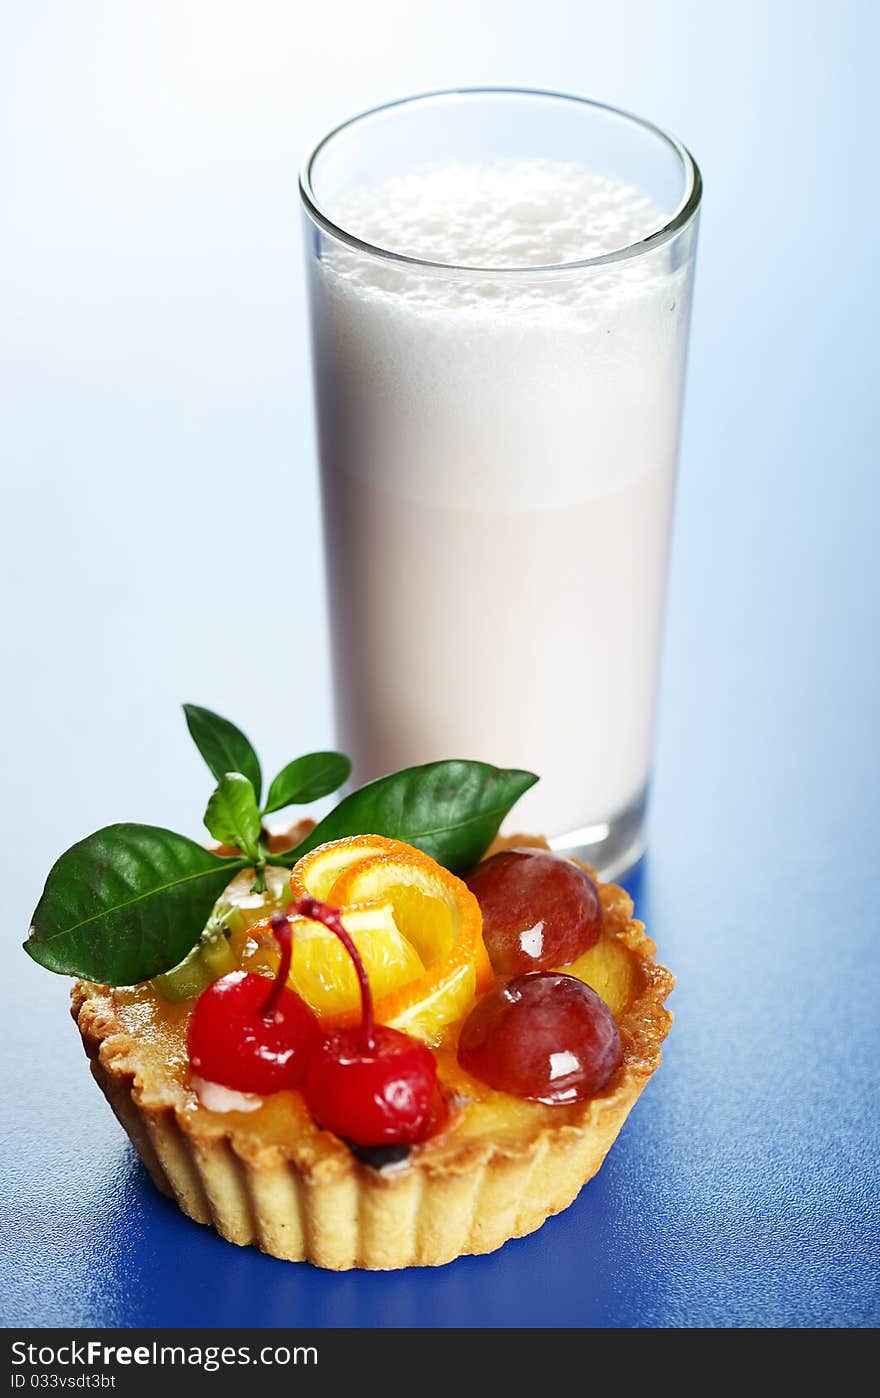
(682, 215)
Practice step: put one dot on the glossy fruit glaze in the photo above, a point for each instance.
(614, 967)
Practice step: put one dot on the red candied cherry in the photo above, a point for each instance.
(372, 1085)
(539, 910)
(544, 1036)
(252, 1035)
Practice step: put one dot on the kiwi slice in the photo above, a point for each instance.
(214, 955)
(220, 946)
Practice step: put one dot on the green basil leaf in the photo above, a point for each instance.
(223, 746)
(126, 903)
(451, 810)
(307, 779)
(232, 815)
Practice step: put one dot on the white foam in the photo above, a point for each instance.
(516, 215)
(510, 214)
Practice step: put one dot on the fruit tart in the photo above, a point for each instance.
(382, 1051)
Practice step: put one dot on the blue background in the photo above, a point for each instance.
(160, 535)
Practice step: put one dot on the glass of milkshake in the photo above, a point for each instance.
(500, 288)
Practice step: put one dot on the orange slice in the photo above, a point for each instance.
(417, 927)
(315, 874)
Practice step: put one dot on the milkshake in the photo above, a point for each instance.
(498, 452)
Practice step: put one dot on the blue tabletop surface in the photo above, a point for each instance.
(160, 354)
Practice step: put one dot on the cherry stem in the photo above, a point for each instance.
(284, 936)
(316, 911)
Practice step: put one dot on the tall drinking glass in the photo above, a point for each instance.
(500, 288)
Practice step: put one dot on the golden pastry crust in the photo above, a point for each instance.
(299, 1193)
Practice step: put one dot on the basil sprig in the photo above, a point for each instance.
(234, 815)
(130, 901)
